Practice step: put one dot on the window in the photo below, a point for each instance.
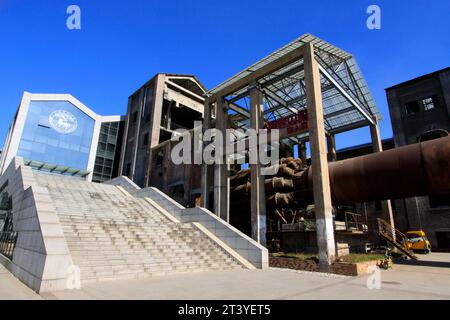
(439, 201)
(135, 116)
(127, 171)
(160, 158)
(443, 240)
(177, 191)
(418, 106)
(430, 103)
(145, 143)
(412, 108)
(378, 206)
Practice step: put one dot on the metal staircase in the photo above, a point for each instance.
(395, 237)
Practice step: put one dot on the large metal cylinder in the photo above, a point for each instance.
(414, 170)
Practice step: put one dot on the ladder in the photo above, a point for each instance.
(395, 237)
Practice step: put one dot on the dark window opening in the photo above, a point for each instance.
(183, 117)
(443, 240)
(378, 206)
(412, 108)
(127, 170)
(160, 158)
(164, 136)
(177, 191)
(145, 141)
(440, 200)
(135, 116)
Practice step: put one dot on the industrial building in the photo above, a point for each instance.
(151, 217)
(420, 111)
(166, 103)
(56, 133)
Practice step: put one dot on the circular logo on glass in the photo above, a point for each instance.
(63, 121)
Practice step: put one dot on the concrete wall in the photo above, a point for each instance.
(407, 128)
(307, 242)
(41, 257)
(166, 176)
(420, 216)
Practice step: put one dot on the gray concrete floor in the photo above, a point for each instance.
(428, 278)
(13, 289)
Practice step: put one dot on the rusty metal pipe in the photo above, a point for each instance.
(410, 171)
(272, 186)
(415, 170)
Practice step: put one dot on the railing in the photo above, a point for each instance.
(395, 237)
(8, 241)
(354, 222)
(389, 231)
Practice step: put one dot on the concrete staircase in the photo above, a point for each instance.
(113, 235)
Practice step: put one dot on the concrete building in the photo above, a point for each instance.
(58, 134)
(420, 111)
(308, 80)
(166, 103)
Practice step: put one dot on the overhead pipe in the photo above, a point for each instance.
(411, 171)
(414, 170)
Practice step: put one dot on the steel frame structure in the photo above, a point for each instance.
(307, 74)
(348, 103)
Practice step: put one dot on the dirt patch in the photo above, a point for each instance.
(294, 264)
(312, 264)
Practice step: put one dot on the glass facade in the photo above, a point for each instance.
(57, 132)
(108, 144)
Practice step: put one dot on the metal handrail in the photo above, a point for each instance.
(387, 230)
(353, 220)
(8, 241)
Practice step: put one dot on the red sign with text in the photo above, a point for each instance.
(295, 123)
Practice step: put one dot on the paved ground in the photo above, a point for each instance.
(426, 279)
(13, 289)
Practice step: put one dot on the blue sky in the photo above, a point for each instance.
(122, 44)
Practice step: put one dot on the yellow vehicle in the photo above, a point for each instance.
(418, 242)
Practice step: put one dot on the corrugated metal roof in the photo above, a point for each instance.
(285, 89)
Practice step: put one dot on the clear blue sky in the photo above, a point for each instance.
(122, 44)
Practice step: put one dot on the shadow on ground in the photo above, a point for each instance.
(424, 263)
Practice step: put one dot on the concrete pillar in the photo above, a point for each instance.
(158, 99)
(221, 176)
(386, 205)
(258, 193)
(205, 186)
(124, 139)
(331, 146)
(321, 180)
(137, 133)
(155, 122)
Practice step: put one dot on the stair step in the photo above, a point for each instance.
(113, 236)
